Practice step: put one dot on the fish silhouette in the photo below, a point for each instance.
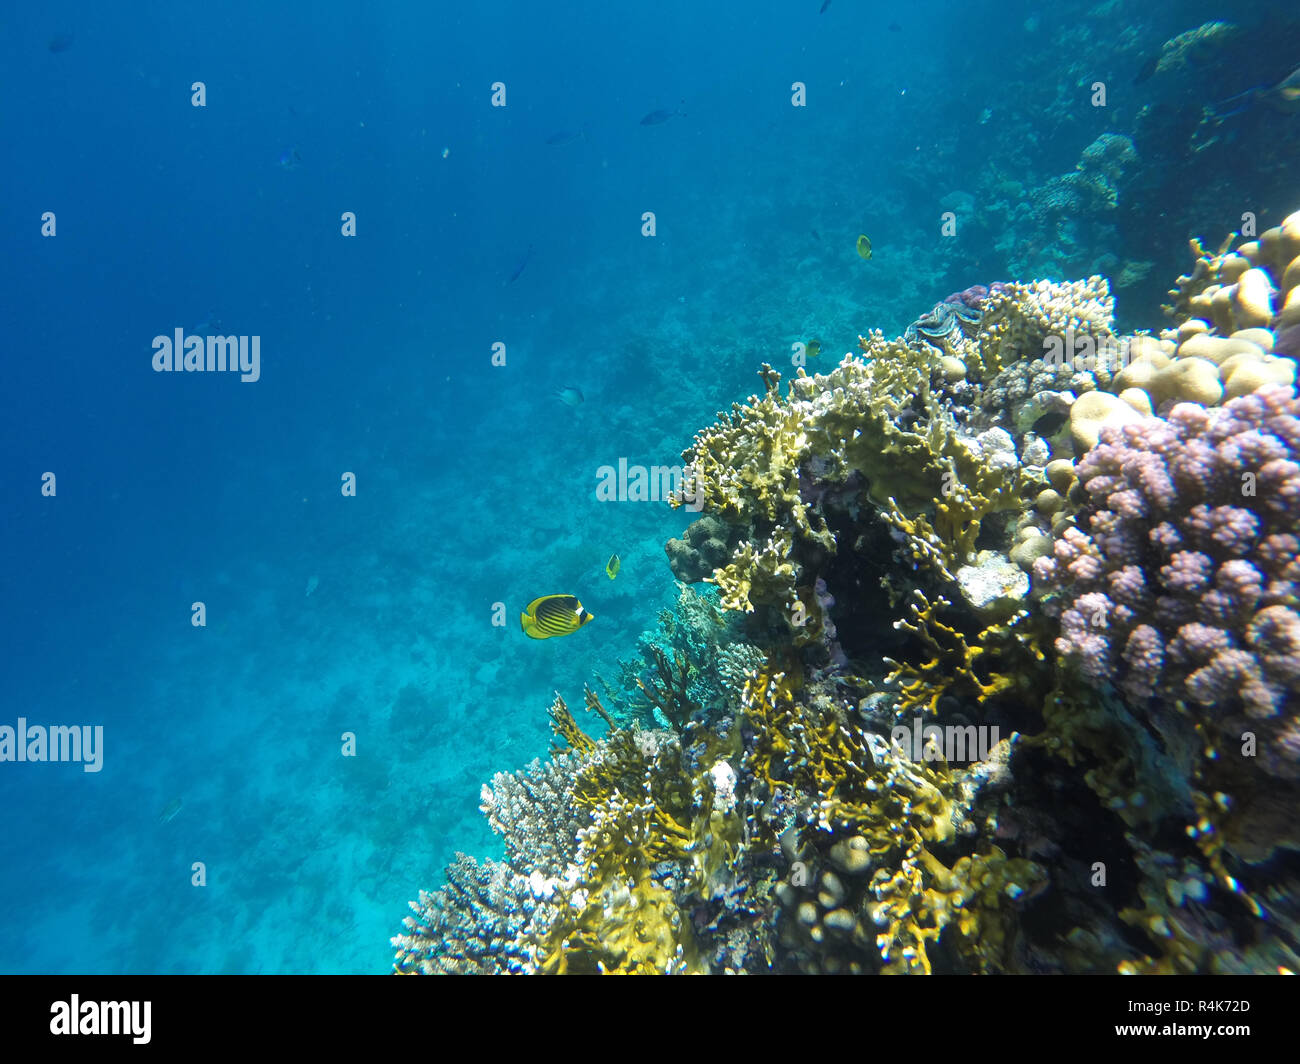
(658, 118)
(520, 268)
(565, 136)
(1282, 96)
(1147, 70)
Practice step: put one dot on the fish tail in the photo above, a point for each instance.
(1247, 99)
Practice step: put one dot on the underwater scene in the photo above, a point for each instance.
(775, 487)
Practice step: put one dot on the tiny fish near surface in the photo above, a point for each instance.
(520, 268)
(1147, 70)
(657, 118)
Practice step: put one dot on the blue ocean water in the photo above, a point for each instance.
(371, 615)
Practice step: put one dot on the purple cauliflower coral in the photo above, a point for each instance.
(1184, 585)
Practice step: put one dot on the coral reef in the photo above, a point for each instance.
(1092, 188)
(869, 536)
(869, 834)
(467, 927)
(1252, 287)
(610, 850)
(1182, 589)
(1191, 45)
(691, 669)
(704, 546)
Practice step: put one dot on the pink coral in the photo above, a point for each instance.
(1183, 588)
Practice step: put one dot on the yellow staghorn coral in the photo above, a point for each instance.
(892, 819)
(924, 897)
(645, 808)
(879, 418)
(822, 754)
(745, 467)
(618, 920)
(762, 576)
(952, 659)
(563, 724)
(876, 418)
(945, 541)
(884, 421)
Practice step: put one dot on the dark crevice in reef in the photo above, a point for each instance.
(855, 576)
(1056, 819)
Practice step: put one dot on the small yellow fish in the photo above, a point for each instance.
(553, 615)
(613, 565)
(170, 810)
(813, 348)
(864, 247)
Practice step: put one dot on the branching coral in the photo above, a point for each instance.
(605, 846)
(761, 575)
(668, 690)
(466, 928)
(653, 821)
(745, 468)
(679, 675)
(775, 828)
(1020, 317)
(874, 422)
(1185, 585)
(535, 813)
(876, 829)
(951, 659)
(564, 726)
